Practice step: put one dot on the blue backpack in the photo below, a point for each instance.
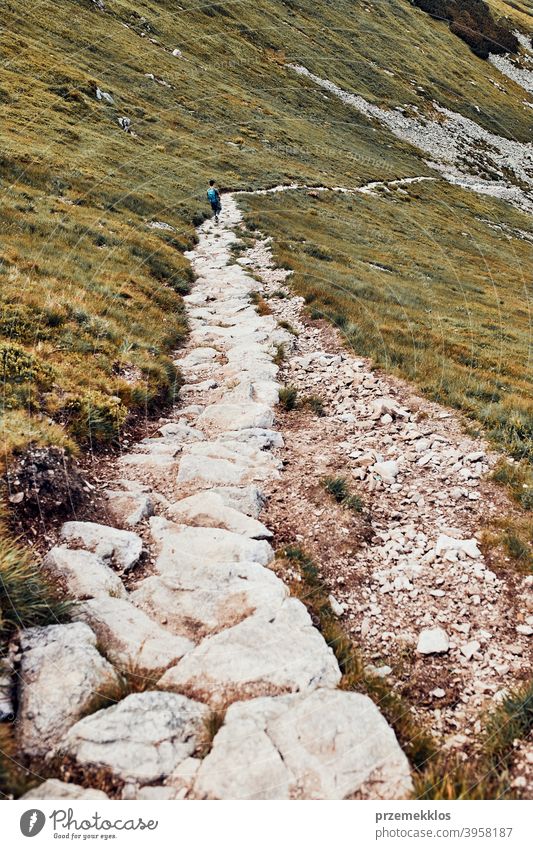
(212, 194)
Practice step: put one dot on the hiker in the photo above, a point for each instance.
(214, 199)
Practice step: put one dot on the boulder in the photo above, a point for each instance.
(204, 599)
(433, 641)
(143, 738)
(129, 638)
(122, 548)
(83, 573)
(327, 744)
(62, 678)
(207, 509)
(54, 789)
(180, 547)
(266, 654)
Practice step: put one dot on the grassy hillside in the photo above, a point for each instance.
(90, 297)
(422, 279)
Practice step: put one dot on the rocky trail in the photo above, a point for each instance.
(189, 671)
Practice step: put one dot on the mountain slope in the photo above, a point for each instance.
(114, 115)
(79, 192)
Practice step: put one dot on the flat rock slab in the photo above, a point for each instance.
(207, 509)
(226, 462)
(209, 472)
(123, 548)
(205, 599)
(143, 738)
(180, 547)
(236, 450)
(128, 509)
(181, 432)
(258, 437)
(327, 744)
(221, 417)
(129, 638)
(198, 356)
(54, 789)
(83, 573)
(247, 365)
(62, 678)
(158, 468)
(247, 499)
(263, 655)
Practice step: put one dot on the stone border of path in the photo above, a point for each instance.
(238, 690)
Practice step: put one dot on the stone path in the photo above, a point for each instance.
(189, 671)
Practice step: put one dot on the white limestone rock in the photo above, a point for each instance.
(247, 499)
(327, 744)
(447, 543)
(127, 508)
(196, 357)
(54, 789)
(62, 677)
(181, 432)
(433, 641)
(180, 547)
(388, 406)
(387, 470)
(205, 599)
(224, 417)
(142, 739)
(159, 468)
(122, 548)
(265, 654)
(258, 437)
(207, 509)
(129, 638)
(84, 574)
(7, 680)
(226, 462)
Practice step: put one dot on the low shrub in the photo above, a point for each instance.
(94, 417)
(288, 397)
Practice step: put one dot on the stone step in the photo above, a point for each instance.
(143, 738)
(327, 744)
(207, 598)
(265, 654)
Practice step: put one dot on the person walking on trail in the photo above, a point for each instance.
(213, 196)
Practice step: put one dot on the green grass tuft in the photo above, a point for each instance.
(288, 397)
(338, 488)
